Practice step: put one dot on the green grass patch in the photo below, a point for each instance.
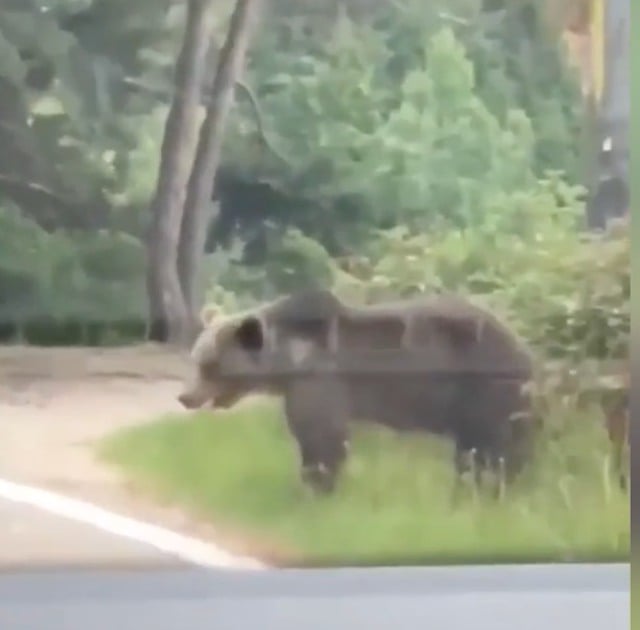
(393, 504)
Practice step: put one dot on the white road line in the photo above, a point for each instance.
(188, 549)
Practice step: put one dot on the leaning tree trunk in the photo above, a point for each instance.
(167, 308)
(197, 213)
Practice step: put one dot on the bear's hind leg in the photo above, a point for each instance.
(492, 419)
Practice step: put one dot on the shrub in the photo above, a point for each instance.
(295, 261)
(59, 287)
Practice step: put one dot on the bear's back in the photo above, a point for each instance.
(408, 363)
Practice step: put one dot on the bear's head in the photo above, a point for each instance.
(229, 359)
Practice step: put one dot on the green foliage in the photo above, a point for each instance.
(298, 261)
(409, 110)
(234, 287)
(295, 261)
(72, 107)
(55, 285)
(80, 140)
(441, 153)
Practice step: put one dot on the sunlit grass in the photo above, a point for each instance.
(393, 503)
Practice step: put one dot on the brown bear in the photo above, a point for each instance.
(439, 364)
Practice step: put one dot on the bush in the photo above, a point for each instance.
(295, 261)
(61, 288)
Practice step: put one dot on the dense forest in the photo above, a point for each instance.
(379, 148)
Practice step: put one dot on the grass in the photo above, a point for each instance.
(239, 470)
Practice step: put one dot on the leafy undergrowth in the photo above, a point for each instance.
(393, 504)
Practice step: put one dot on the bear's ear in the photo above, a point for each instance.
(250, 333)
(208, 314)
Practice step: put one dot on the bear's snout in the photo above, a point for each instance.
(189, 401)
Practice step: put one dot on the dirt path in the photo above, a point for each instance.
(54, 405)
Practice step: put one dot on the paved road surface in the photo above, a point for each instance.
(544, 597)
(31, 537)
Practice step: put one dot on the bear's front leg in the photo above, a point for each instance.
(316, 413)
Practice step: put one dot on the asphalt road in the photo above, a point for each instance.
(31, 537)
(580, 597)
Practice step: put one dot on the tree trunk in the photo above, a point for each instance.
(167, 308)
(197, 209)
